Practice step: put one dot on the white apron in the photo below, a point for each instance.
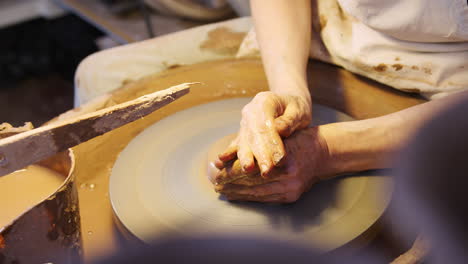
(411, 45)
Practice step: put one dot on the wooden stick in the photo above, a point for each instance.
(35, 145)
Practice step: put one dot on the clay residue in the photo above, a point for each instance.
(223, 41)
(380, 68)
(215, 149)
(397, 66)
(346, 21)
(127, 81)
(427, 70)
(341, 13)
(323, 22)
(319, 22)
(171, 65)
(397, 58)
(383, 70)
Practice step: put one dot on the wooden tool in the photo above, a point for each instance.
(34, 145)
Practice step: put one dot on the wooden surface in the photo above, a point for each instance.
(32, 146)
(331, 86)
(128, 28)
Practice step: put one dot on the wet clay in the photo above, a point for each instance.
(23, 189)
(217, 148)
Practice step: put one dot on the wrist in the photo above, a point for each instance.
(353, 146)
(290, 83)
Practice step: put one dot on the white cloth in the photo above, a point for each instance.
(413, 20)
(411, 45)
(108, 70)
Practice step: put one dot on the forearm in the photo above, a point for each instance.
(372, 143)
(283, 30)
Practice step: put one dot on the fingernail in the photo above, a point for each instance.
(277, 157)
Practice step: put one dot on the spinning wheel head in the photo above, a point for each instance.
(159, 184)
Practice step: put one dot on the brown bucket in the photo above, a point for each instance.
(49, 232)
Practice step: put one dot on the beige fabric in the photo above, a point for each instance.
(432, 68)
(107, 70)
(413, 20)
(381, 45)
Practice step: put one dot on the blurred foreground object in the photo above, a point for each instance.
(228, 250)
(416, 254)
(431, 185)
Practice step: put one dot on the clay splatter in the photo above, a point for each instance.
(223, 41)
(397, 66)
(323, 22)
(380, 68)
(427, 70)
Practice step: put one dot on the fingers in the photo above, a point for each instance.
(272, 192)
(244, 153)
(258, 139)
(267, 147)
(231, 152)
(219, 164)
(292, 119)
(264, 189)
(280, 191)
(274, 198)
(230, 173)
(260, 136)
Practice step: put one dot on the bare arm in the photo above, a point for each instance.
(283, 32)
(371, 143)
(325, 151)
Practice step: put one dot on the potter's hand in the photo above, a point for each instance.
(417, 253)
(307, 161)
(267, 118)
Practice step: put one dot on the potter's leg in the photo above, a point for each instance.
(107, 70)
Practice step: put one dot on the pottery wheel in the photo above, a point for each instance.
(158, 185)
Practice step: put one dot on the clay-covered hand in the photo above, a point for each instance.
(306, 162)
(267, 119)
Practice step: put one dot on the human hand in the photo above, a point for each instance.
(265, 120)
(306, 162)
(416, 254)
